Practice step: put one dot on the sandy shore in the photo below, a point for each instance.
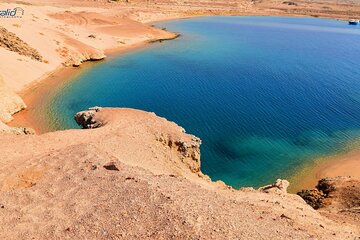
(40, 92)
(346, 164)
(49, 36)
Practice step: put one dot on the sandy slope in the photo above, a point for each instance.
(58, 185)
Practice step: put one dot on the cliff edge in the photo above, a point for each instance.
(134, 175)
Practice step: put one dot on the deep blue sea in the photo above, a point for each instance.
(265, 94)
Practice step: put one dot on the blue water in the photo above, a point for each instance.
(265, 94)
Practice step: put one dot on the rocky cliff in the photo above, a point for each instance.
(137, 176)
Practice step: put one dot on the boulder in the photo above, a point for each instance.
(279, 186)
(86, 119)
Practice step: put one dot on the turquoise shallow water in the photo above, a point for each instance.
(265, 94)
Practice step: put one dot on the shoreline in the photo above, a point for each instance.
(42, 89)
(31, 93)
(345, 164)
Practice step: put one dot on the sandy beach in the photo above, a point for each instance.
(346, 164)
(40, 92)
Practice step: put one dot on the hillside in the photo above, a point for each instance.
(138, 181)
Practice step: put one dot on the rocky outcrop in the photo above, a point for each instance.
(15, 130)
(10, 103)
(77, 52)
(326, 185)
(337, 198)
(321, 195)
(78, 59)
(279, 186)
(13, 43)
(86, 119)
(176, 35)
(313, 197)
(189, 150)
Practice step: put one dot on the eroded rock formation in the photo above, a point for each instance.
(86, 119)
(10, 41)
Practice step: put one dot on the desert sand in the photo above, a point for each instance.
(136, 176)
